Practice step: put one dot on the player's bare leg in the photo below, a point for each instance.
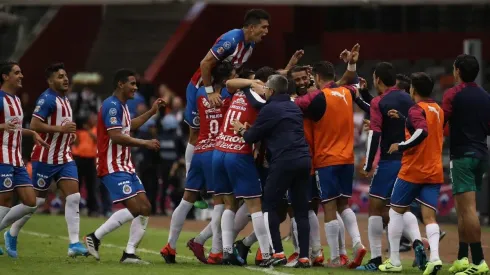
(350, 222)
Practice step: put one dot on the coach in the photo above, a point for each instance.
(280, 125)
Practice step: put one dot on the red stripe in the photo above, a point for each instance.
(68, 139)
(244, 52)
(239, 49)
(51, 121)
(2, 120)
(10, 135)
(18, 158)
(114, 158)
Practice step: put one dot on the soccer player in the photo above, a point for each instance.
(235, 46)
(420, 177)
(116, 169)
(466, 108)
(200, 173)
(13, 174)
(53, 118)
(390, 131)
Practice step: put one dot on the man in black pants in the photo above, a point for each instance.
(280, 125)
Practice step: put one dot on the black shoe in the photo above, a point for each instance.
(420, 256)
(302, 264)
(131, 259)
(232, 259)
(372, 265)
(442, 234)
(242, 250)
(92, 244)
(274, 261)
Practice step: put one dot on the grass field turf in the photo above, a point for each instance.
(43, 246)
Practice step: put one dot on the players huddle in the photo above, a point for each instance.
(227, 156)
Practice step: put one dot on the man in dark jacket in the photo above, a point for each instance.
(280, 125)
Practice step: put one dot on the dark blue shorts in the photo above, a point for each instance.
(122, 185)
(200, 174)
(191, 116)
(12, 177)
(335, 181)
(404, 193)
(236, 174)
(384, 179)
(43, 173)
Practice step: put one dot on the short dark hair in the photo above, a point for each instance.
(6, 68)
(122, 75)
(422, 83)
(386, 73)
(403, 82)
(291, 86)
(468, 67)
(246, 73)
(278, 83)
(221, 72)
(263, 73)
(253, 17)
(324, 69)
(296, 69)
(53, 68)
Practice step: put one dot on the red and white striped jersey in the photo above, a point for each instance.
(11, 142)
(53, 109)
(111, 158)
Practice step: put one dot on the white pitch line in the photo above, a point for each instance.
(269, 271)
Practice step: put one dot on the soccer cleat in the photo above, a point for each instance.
(232, 259)
(372, 265)
(420, 256)
(344, 260)
(275, 260)
(335, 263)
(10, 244)
(198, 250)
(359, 252)
(215, 258)
(442, 234)
(431, 268)
(319, 259)
(293, 257)
(258, 257)
(77, 249)
(131, 259)
(482, 268)
(242, 249)
(92, 244)
(460, 265)
(302, 263)
(168, 254)
(201, 204)
(387, 266)
(1, 251)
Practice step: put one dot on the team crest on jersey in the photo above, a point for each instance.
(7, 183)
(127, 189)
(205, 102)
(37, 109)
(227, 45)
(113, 120)
(196, 121)
(220, 50)
(41, 182)
(40, 102)
(240, 101)
(112, 112)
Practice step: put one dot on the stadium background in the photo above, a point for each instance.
(165, 42)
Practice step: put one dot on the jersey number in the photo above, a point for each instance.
(214, 127)
(231, 116)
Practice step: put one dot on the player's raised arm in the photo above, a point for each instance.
(140, 120)
(350, 57)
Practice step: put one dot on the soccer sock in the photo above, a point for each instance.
(205, 234)
(15, 213)
(189, 152)
(476, 253)
(250, 239)
(114, 222)
(72, 217)
(217, 245)
(3, 212)
(350, 222)
(315, 243)
(241, 219)
(412, 226)
(406, 234)
(136, 233)
(332, 232)
(462, 251)
(294, 228)
(342, 249)
(18, 224)
(227, 224)
(375, 232)
(177, 222)
(433, 233)
(261, 233)
(395, 229)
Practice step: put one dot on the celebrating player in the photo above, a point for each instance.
(116, 169)
(420, 177)
(13, 174)
(53, 118)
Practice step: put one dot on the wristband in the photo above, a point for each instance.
(351, 67)
(209, 89)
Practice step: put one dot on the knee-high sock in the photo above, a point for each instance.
(412, 226)
(395, 230)
(114, 222)
(217, 245)
(342, 249)
(332, 232)
(17, 225)
(205, 234)
(261, 233)
(3, 212)
(136, 233)
(241, 219)
(15, 213)
(433, 234)
(315, 243)
(294, 231)
(350, 222)
(189, 152)
(251, 239)
(227, 224)
(177, 222)
(375, 233)
(72, 217)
